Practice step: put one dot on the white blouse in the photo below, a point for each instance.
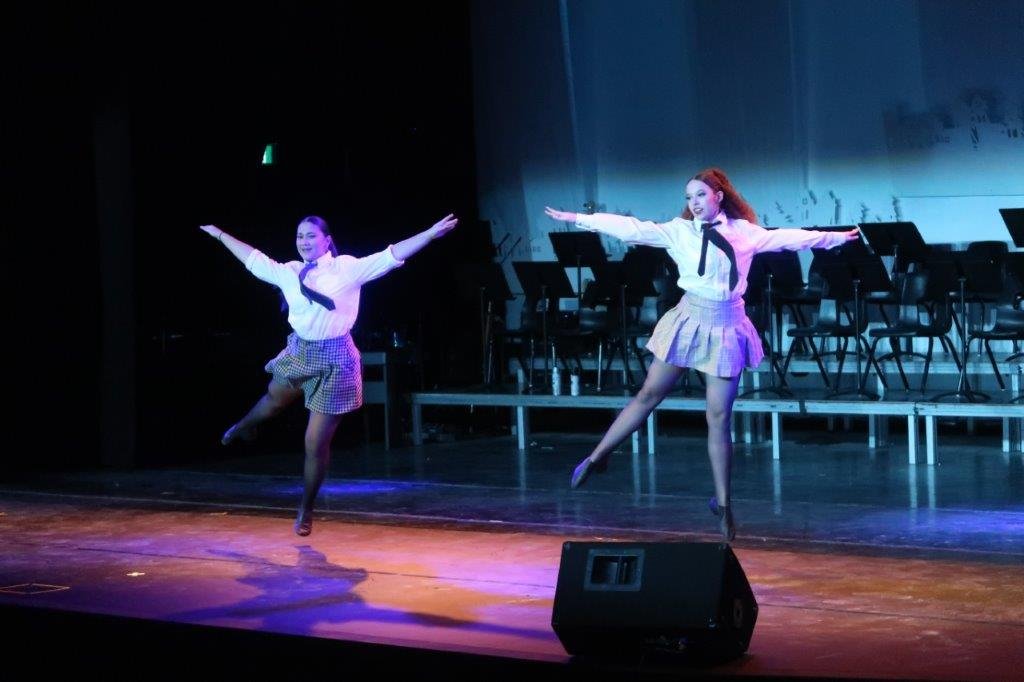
(682, 238)
(336, 277)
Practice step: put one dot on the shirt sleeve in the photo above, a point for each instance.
(789, 239)
(267, 269)
(626, 228)
(376, 265)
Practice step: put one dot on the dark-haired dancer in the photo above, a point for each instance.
(713, 243)
(320, 360)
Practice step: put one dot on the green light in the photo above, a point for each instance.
(268, 154)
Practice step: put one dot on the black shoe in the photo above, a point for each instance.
(726, 523)
(304, 523)
(583, 469)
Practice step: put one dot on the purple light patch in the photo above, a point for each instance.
(362, 487)
(353, 488)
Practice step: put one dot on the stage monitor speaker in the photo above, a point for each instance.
(617, 598)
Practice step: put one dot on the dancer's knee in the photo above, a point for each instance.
(649, 397)
(274, 405)
(279, 396)
(718, 417)
(317, 444)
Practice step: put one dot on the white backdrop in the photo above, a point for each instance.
(822, 111)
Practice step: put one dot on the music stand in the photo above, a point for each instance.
(1013, 218)
(639, 266)
(578, 249)
(627, 282)
(901, 240)
(760, 278)
(542, 281)
(859, 250)
(646, 261)
(850, 272)
(974, 275)
(787, 280)
(788, 288)
(839, 255)
(488, 281)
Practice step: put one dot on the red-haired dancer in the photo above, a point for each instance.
(713, 243)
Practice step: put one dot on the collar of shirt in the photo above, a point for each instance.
(720, 218)
(325, 259)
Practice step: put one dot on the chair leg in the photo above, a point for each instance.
(873, 363)
(821, 365)
(878, 368)
(952, 351)
(817, 359)
(841, 355)
(947, 345)
(773, 365)
(627, 373)
(789, 356)
(927, 363)
(899, 365)
(956, 322)
(995, 367)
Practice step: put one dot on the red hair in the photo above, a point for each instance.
(734, 205)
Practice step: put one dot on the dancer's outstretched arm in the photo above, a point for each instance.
(626, 228)
(409, 247)
(238, 248)
(565, 216)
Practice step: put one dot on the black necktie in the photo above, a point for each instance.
(311, 295)
(710, 234)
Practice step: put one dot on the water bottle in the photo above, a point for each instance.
(574, 384)
(556, 381)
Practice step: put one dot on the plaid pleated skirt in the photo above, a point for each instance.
(714, 337)
(329, 372)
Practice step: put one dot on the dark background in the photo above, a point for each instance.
(124, 130)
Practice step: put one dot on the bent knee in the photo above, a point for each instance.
(277, 403)
(649, 397)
